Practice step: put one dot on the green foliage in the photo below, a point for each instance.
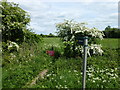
(63, 74)
(14, 26)
(14, 20)
(67, 73)
(30, 37)
(111, 32)
(20, 69)
(102, 71)
(19, 47)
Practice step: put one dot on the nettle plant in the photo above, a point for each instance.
(70, 30)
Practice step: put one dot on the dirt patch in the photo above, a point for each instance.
(40, 76)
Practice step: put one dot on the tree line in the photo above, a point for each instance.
(49, 35)
(110, 32)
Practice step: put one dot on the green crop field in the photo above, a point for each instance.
(102, 71)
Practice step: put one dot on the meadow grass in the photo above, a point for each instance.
(67, 73)
(47, 42)
(110, 43)
(52, 41)
(20, 68)
(102, 71)
(106, 42)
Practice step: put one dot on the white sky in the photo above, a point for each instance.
(46, 13)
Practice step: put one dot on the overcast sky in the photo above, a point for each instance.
(45, 14)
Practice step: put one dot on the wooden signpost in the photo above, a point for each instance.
(84, 41)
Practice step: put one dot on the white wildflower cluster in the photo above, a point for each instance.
(1, 7)
(80, 28)
(75, 70)
(93, 49)
(94, 32)
(61, 86)
(12, 55)
(0, 31)
(94, 74)
(46, 46)
(12, 46)
(96, 49)
(76, 28)
(53, 77)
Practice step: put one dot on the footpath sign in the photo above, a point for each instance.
(80, 40)
(83, 41)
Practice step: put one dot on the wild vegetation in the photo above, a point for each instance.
(62, 72)
(15, 22)
(19, 43)
(24, 56)
(15, 31)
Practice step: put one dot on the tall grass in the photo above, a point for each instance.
(20, 68)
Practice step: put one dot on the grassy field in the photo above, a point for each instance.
(106, 43)
(110, 43)
(66, 73)
(102, 71)
(49, 42)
